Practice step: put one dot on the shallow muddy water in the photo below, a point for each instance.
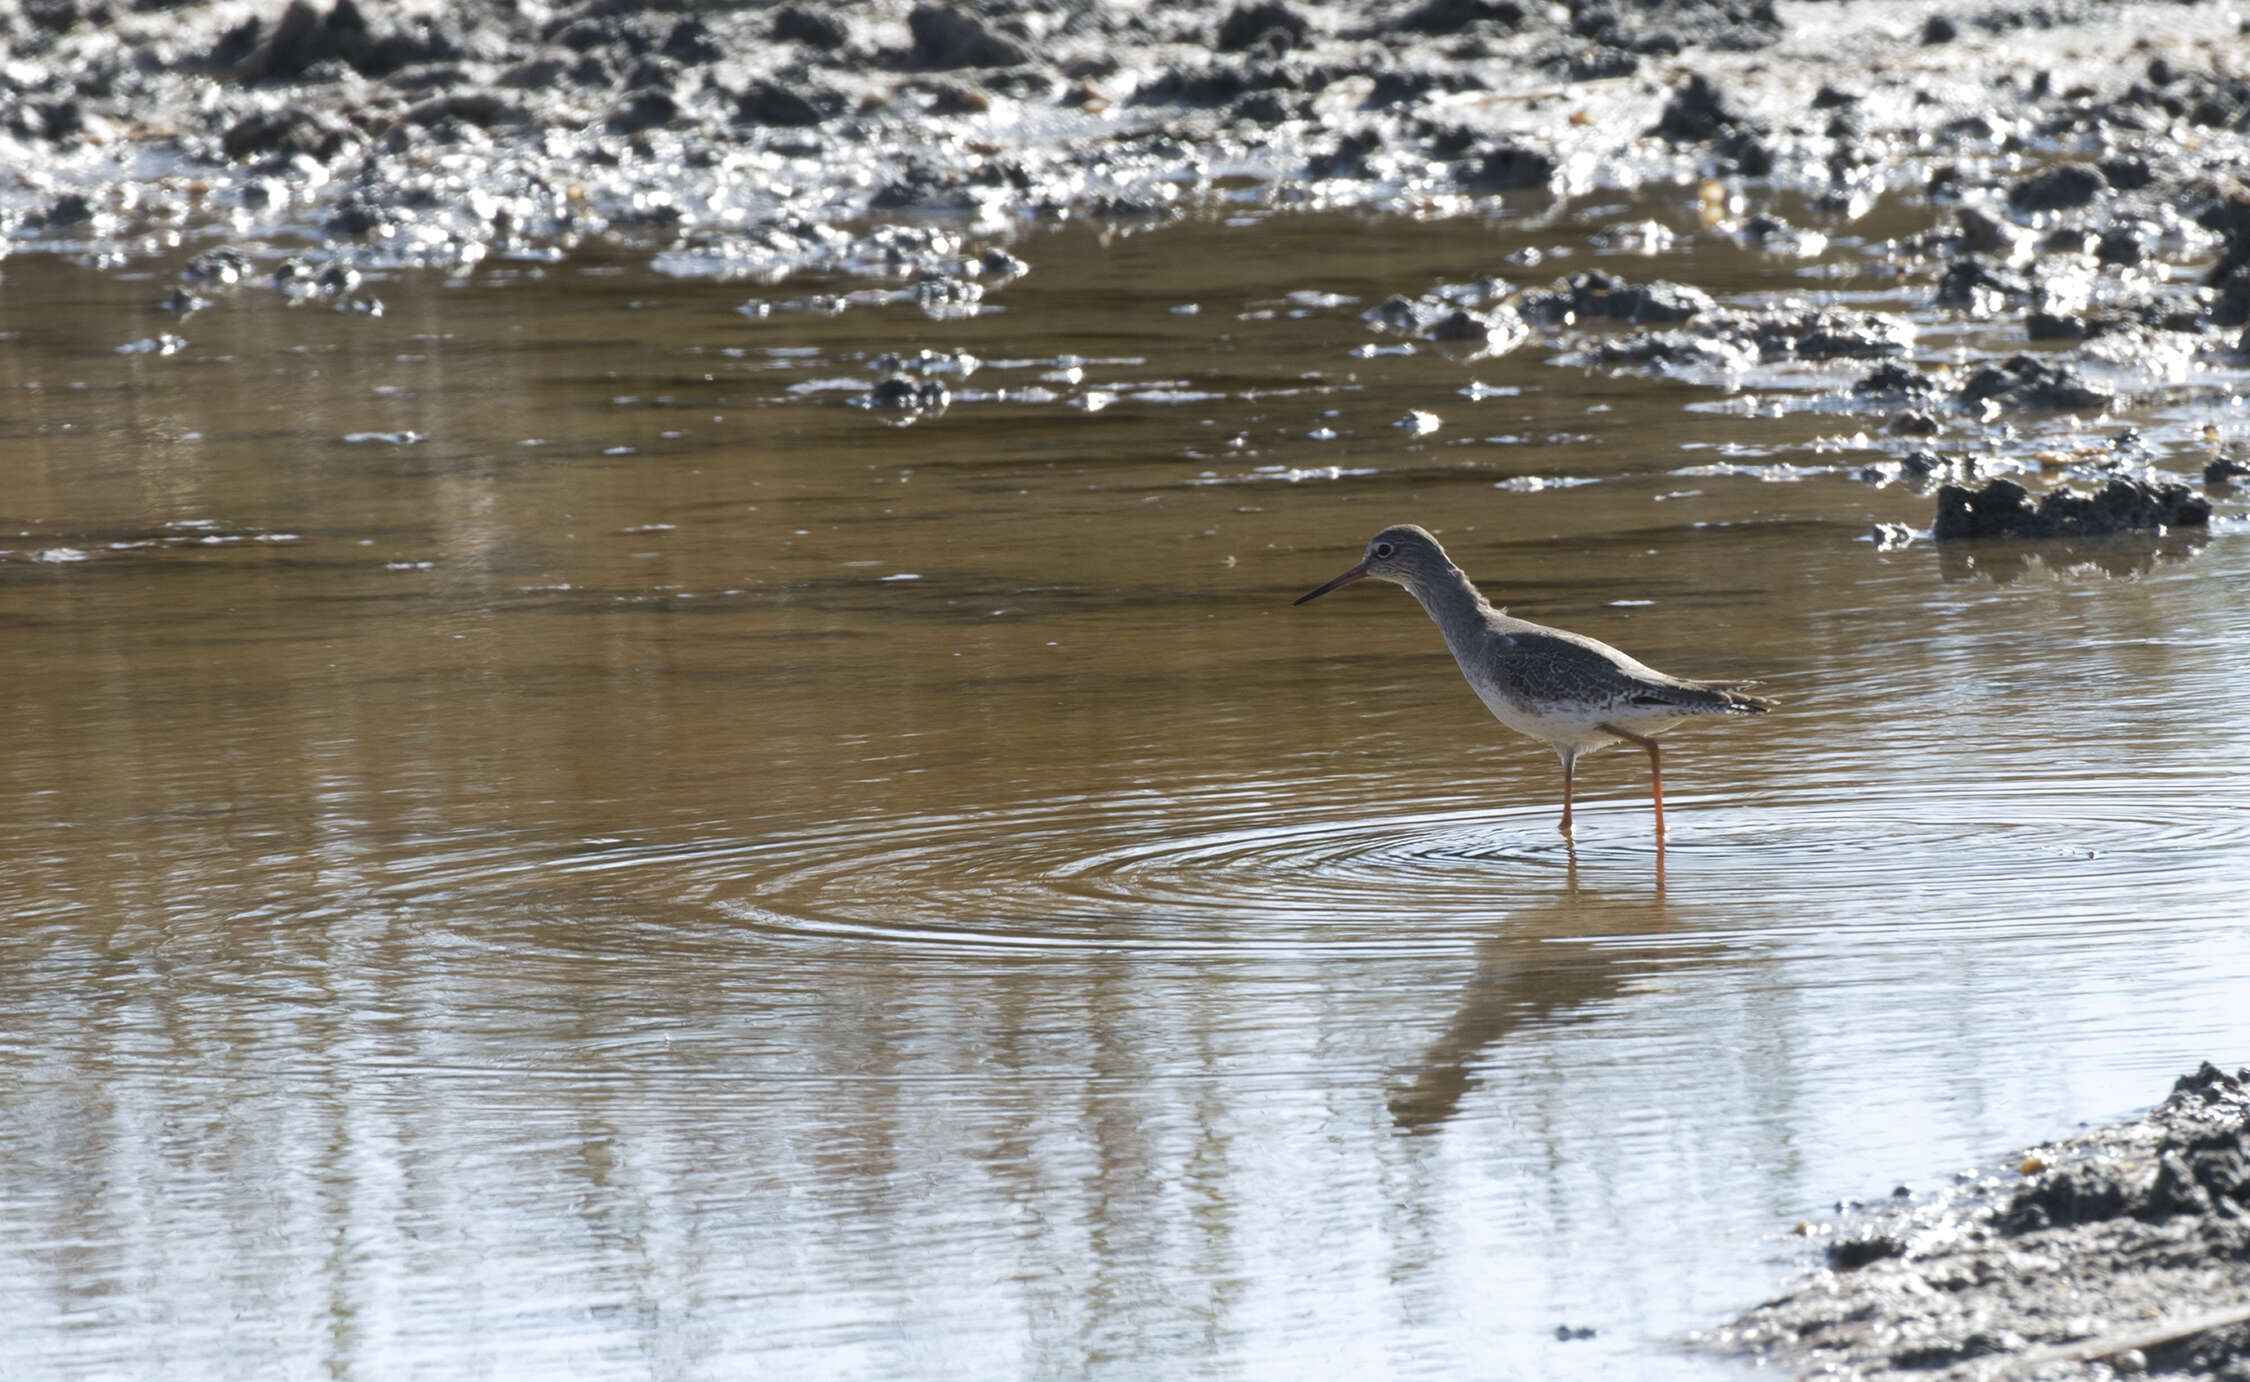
(541, 839)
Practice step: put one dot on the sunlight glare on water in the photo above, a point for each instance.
(555, 851)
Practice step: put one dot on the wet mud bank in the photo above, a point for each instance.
(753, 140)
(2124, 1251)
(2058, 183)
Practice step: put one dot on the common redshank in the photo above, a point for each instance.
(1575, 692)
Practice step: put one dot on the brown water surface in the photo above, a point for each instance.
(537, 840)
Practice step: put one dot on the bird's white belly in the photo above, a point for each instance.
(1564, 727)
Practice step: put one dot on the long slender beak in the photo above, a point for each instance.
(1357, 573)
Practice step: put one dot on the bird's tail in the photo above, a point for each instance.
(1707, 698)
(1741, 702)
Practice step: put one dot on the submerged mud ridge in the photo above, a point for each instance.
(2123, 1251)
(2068, 174)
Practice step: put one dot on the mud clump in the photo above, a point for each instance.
(1440, 18)
(1512, 165)
(947, 39)
(1895, 383)
(1597, 295)
(2125, 1249)
(1832, 335)
(1716, 343)
(1272, 23)
(2058, 189)
(2004, 508)
(1970, 284)
(2027, 382)
(815, 28)
(1699, 114)
(302, 40)
(285, 133)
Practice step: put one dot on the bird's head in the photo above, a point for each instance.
(1402, 554)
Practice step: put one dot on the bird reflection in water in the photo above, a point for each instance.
(1546, 966)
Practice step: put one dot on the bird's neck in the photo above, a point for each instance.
(1452, 600)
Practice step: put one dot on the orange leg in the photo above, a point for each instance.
(1655, 769)
(1566, 766)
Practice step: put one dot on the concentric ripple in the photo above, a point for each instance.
(1223, 866)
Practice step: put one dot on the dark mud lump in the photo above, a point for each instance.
(1246, 25)
(2004, 508)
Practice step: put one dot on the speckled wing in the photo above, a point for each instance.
(1549, 667)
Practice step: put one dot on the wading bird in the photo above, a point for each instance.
(1575, 692)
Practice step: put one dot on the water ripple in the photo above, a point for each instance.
(1224, 867)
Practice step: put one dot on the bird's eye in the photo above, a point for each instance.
(1383, 549)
